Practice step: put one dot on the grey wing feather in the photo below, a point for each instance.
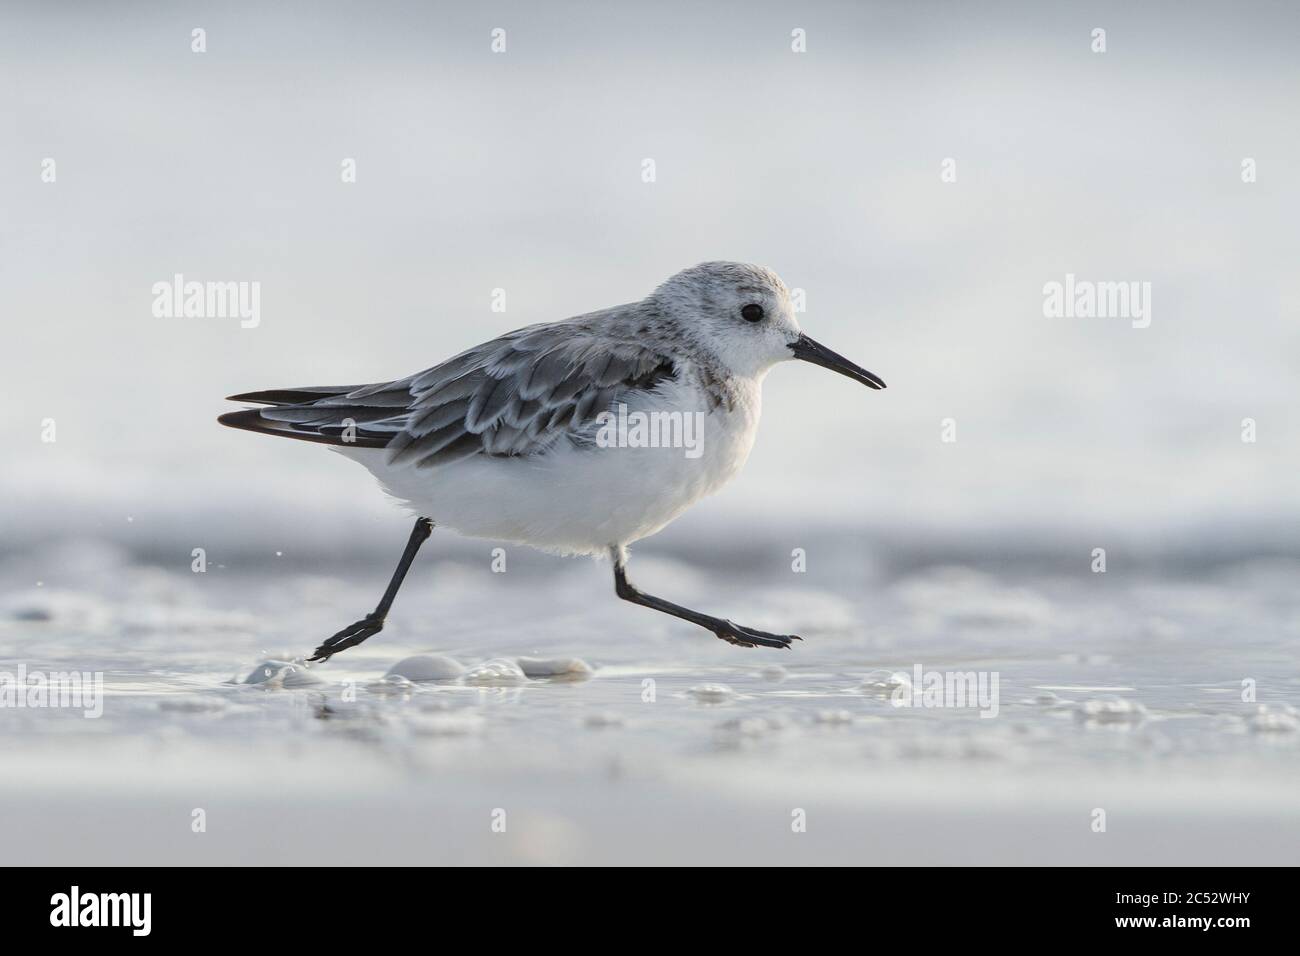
(516, 395)
(522, 393)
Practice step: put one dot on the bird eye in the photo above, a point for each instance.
(752, 313)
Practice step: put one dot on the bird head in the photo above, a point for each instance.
(742, 315)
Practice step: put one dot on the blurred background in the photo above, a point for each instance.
(522, 171)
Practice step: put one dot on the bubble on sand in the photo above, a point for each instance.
(498, 672)
(712, 693)
(391, 684)
(833, 717)
(883, 683)
(273, 673)
(1110, 710)
(555, 668)
(427, 667)
(1050, 701)
(1277, 719)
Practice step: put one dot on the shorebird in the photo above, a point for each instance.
(515, 439)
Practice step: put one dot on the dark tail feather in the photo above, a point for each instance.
(250, 419)
(293, 396)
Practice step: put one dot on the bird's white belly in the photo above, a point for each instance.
(581, 500)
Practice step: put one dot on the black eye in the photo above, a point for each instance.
(752, 313)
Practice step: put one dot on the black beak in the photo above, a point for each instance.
(806, 350)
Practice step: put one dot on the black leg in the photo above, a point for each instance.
(726, 630)
(373, 623)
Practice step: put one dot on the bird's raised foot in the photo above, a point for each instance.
(733, 633)
(350, 636)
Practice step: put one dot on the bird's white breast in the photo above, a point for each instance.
(576, 499)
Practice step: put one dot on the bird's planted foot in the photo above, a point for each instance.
(733, 633)
(350, 636)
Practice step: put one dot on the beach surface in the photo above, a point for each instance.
(527, 716)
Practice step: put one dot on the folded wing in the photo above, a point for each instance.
(516, 395)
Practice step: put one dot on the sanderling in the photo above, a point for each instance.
(511, 439)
